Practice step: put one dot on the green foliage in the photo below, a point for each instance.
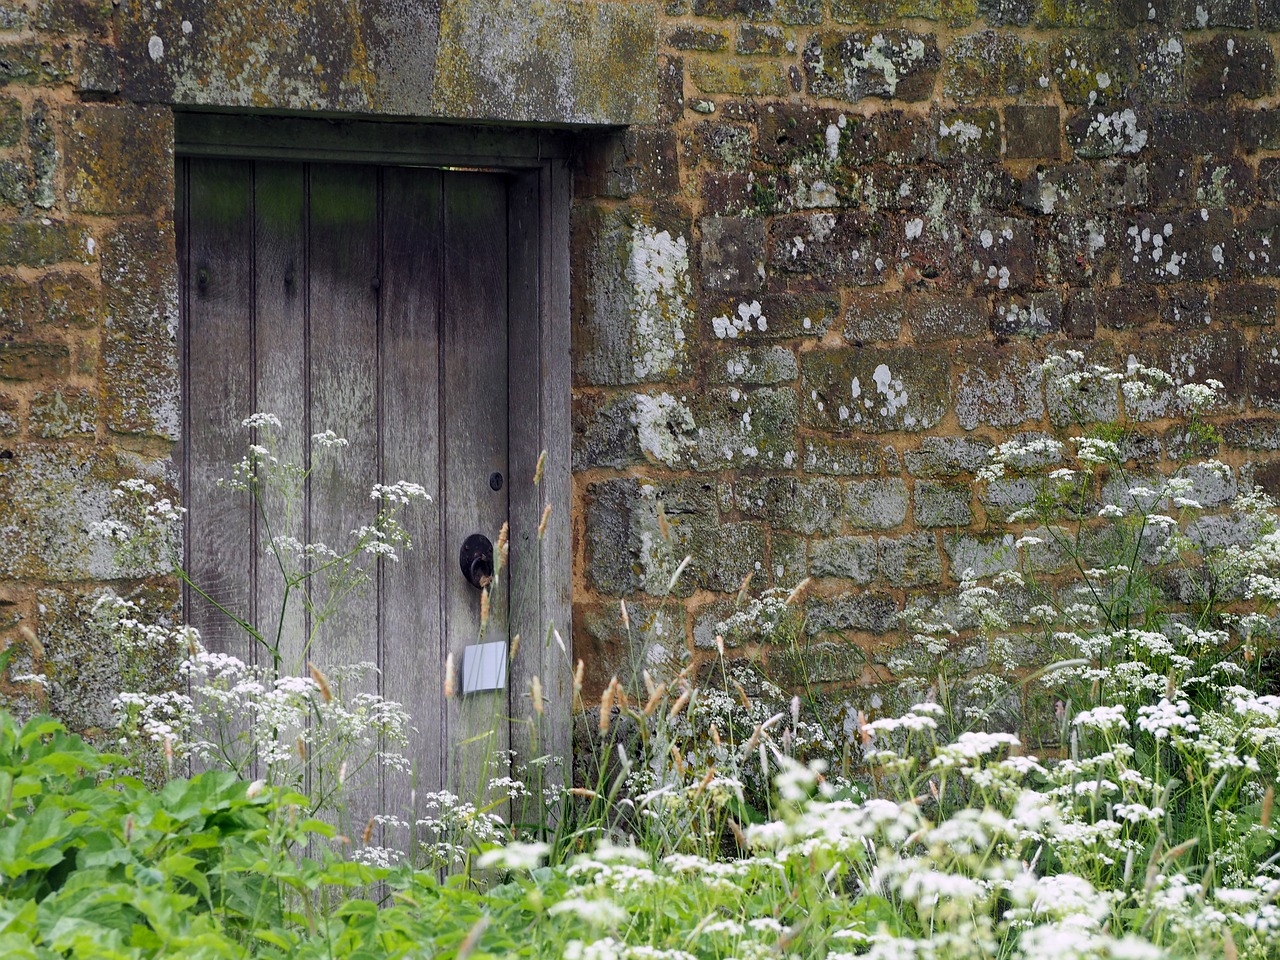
(97, 865)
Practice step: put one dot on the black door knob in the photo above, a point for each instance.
(476, 560)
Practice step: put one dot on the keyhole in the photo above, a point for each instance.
(495, 481)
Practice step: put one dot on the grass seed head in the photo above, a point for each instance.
(606, 705)
(795, 595)
(681, 702)
(321, 681)
(654, 699)
(502, 548)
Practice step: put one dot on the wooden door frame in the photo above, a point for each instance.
(539, 403)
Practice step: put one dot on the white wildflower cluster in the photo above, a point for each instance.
(1096, 450)
(969, 747)
(261, 421)
(1103, 719)
(1020, 455)
(1165, 719)
(515, 856)
(402, 492)
(327, 439)
(1142, 383)
(763, 619)
(920, 718)
(143, 525)
(235, 714)
(1195, 397)
(456, 827)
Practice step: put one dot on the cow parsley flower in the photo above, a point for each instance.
(1166, 718)
(515, 856)
(401, 492)
(259, 421)
(329, 440)
(1103, 719)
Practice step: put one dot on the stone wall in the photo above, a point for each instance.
(88, 310)
(814, 272)
(814, 294)
(89, 380)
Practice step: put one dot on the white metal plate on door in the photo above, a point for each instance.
(484, 667)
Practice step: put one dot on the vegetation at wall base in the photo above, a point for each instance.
(714, 814)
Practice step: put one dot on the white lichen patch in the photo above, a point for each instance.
(1095, 241)
(664, 427)
(658, 273)
(890, 396)
(808, 196)
(890, 387)
(832, 137)
(994, 245)
(749, 316)
(155, 48)
(1155, 244)
(1026, 317)
(1046, 197)
(1118, 131)
(875, 66)
(761, 365)
(937, 195)
(889, 58)
(964, 132)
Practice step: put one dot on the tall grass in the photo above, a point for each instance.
(714, 814)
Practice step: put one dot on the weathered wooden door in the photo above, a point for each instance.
(372, 301)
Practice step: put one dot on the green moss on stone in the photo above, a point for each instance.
(737, 77)
(40, 243)
(991, 64)
(1088, 14)
(954, 13)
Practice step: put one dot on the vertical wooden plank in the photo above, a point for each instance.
(529, 723)
(474, 388)
(343, 310)
(182, 242)
(410, 622)
(280, 355)
(557, 483)
(219, 377)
